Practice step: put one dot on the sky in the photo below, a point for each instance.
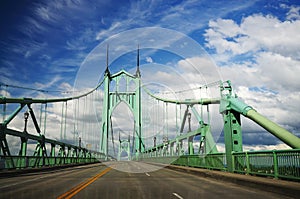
(48, 45)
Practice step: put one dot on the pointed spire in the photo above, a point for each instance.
(107, 69)
(138, 73)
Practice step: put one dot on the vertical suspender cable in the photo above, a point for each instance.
(84, 131)
(180, 115)
(4, 105)
(45, 118)
(157, 118)
(4, 112)
(62, 121)
(164, 120)
(41, 114)
(153, 116)
(66, 112)
(74, 120)
(167, 118)
(77, 119)
(92, 124)
(87, 125)
(176, 120)
(208, 115)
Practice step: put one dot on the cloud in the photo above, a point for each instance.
(183, 17)
(260, 56)
(260, 53)
(255, 33)
(294, 13)
(113, 29)
(149, 60)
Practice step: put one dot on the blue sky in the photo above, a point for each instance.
(253, 43)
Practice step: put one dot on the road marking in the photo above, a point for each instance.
(147, 174)
(81, 186)
(177, 195)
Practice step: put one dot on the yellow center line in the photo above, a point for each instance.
(78, 188)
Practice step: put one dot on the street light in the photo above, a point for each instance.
(189, 119)
(26, 115)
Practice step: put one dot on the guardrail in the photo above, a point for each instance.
(284, 164)
(37, 162)
(211, 161)
(277, 163)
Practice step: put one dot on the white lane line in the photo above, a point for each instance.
(147, 174)
(177, 195)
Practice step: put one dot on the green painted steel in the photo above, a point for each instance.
(113, 97)
(232, 135)
(203, 101)
(206, 135)
(278, 163)
(283, 164)
(24, 101)
(231, 107)
(281, 133)
(210, 161)
(31, 161)
(230, 102)
(124, 146)
(40, 157)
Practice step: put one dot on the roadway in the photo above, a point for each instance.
(139, 181)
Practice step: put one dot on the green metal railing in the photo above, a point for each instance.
(284, 164)
(211, 161)
(277, 163)
(20, 162)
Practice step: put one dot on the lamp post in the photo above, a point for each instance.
(189, 120)
(26, 115)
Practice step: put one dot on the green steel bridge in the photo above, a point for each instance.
(166, 130)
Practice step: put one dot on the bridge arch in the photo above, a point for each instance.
(130, 94)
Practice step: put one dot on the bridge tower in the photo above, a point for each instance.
(131, 96)
(124, 146)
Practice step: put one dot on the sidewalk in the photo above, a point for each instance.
(288, 188)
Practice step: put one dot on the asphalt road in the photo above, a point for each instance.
(139, 181)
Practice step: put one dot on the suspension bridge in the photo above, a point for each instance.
(166, 129)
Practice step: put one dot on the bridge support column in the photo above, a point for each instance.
(105, 116)
(232, 136)
(190, 145)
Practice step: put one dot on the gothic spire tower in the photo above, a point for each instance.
(107, 69)
(138, 72)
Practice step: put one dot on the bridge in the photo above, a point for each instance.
(84, 155)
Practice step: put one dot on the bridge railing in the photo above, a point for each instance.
(210, 161)
(277, 163)
(37, 162)
(284, 164)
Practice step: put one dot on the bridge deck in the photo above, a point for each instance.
(96, 181)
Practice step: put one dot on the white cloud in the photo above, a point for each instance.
(256, 32)
(4, 92)
(149, 60)
(113, 29)
(183, 17)
(281, 72)
(261, 58)
(294, 13)
(260, 147)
